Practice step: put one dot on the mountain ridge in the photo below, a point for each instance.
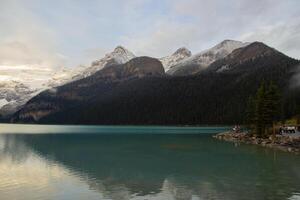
(173, 59)
(207, 97)
(83, 90)
(202, 60)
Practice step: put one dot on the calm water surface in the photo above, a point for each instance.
(94, 162)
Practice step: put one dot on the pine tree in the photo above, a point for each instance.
(250, 112)
(260, 110)
(267, 108)
(273, 104)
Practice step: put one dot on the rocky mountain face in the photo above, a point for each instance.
(138, 92)
(136, 68)
(87, 89)
(243, 56)
(175, 58)
(119, 55)
(202, 60)
(63, 76)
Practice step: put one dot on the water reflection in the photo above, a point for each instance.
(142, 167)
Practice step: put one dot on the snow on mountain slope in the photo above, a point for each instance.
(3, 102)
(13, 94)
(63, 76)
(203, 59)
(120, 55)
(18, 84)
(175, 58)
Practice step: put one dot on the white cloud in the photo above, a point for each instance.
(199, 24)
(24, 38)
(95, 53)
(165, 38)
(27, 53)
(282, 36)
(66, 32)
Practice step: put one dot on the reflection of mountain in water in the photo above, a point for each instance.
(152, 167)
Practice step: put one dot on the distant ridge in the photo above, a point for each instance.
(172, 60)
(202, 60)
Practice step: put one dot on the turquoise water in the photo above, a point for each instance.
(49, 162)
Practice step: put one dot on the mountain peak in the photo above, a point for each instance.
(230, 41)
(253, 56)
(259, 44)
(183, 51)
(179, 55)
(254, 49)
(120, 49)
(230, 44)
(136, 67)
(200, 61)
(119, 55)
(122, 53)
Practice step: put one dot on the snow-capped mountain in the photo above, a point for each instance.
(13, 94)
(64, 76)
(18, 84)
(119, 55)
(200, 61)
(132, 93)
(175, 58)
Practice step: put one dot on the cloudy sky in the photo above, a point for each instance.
(53, 33)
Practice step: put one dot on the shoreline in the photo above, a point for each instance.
(285, 143)
(137, 125)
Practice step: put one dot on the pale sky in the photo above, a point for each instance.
(51, 33)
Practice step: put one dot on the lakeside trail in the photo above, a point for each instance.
(287, 143)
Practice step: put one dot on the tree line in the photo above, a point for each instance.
(264, 109)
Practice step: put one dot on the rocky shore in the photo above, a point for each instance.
(283, 142)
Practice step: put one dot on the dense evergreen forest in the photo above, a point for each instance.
(194, 100)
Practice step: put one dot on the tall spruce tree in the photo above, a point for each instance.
(260, 110)
(265, 109)
(273, 105)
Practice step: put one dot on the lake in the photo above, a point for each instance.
(128, 162)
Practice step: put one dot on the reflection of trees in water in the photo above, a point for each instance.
(122, 167)
(11, 146)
